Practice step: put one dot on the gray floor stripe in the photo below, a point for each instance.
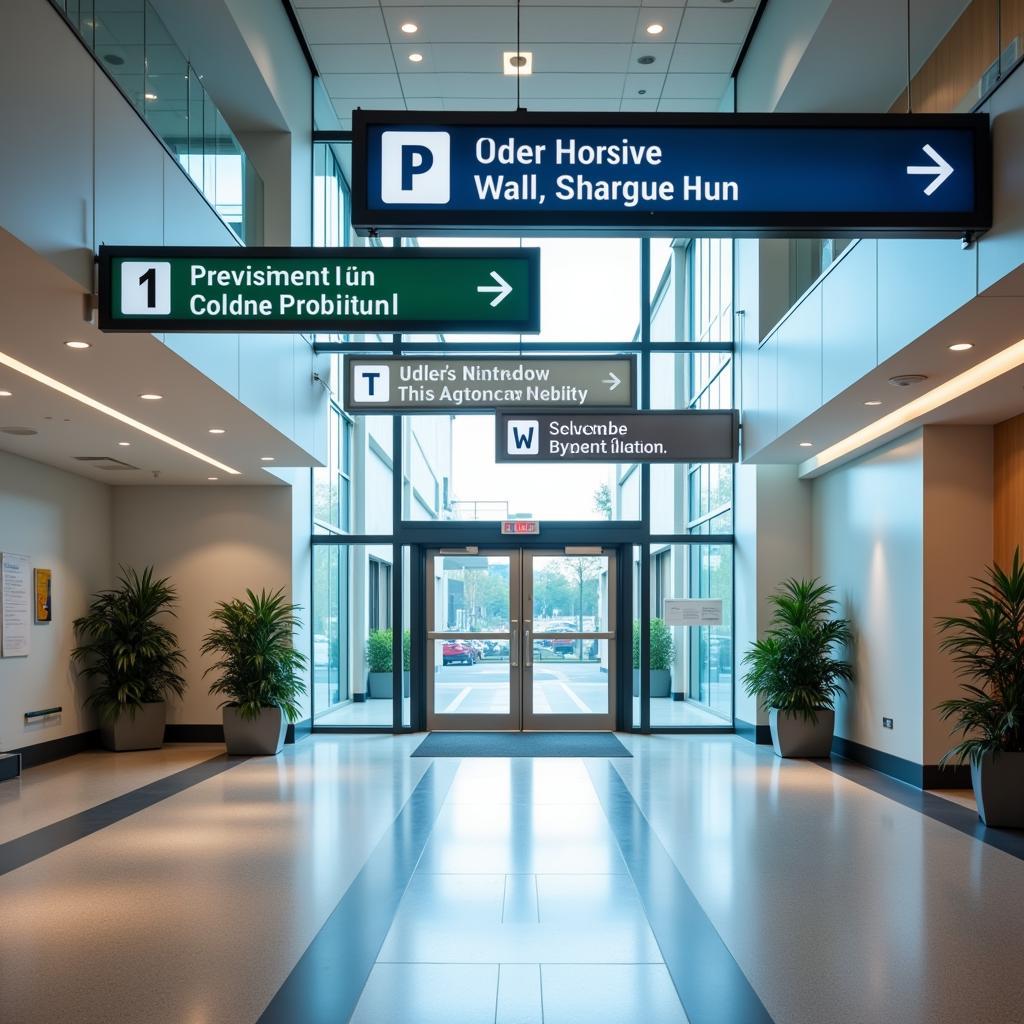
(326, 983)
(938, 808)
(711, 986)
(17, 852)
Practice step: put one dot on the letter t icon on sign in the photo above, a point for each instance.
(372, 384)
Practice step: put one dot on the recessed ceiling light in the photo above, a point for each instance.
(645, 59)
(517, 62)
(216, 430)
(41, 378)
(150, 397)
(151, 96)
(266, 458)
(961, 346)
(212, 478)
(5, 394)
(416, 58)
(806, 444)
(113, 59)
(124, 444)
(409, 27)
(655, 28)
(873, 402)
(77, 344)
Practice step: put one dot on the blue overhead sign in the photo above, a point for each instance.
(787, 175)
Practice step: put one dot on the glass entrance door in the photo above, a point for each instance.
(521, 639)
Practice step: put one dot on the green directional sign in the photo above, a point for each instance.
(355, 290)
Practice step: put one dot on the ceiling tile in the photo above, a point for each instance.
(478, 103)
(350, 25)
(482, 58)
(645, 105)
(461, 86)
(337, 58)
(695, 86)
(667, 17)
(652, 83)
(714, 25)
(578, 24)
(661, 52)
(571, 86)
(358, 86)
(586, 57)
(718, 3)
(692, 57)
(610, 104)
(442, 24)
(693, 106)
(403, 51)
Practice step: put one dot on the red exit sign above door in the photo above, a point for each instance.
(519, 527)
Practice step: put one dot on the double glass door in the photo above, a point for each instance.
(521, 639)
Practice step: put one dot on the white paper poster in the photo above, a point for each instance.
(700, 611)
(15, 605)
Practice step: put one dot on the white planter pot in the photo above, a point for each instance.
(255, 737)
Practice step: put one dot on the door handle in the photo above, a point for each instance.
(528, 654)
(514, 638)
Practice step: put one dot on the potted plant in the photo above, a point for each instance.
(258, 670)
(987, 645)
(793, 670)
(661, 651)
(133, 659)
(380, 663)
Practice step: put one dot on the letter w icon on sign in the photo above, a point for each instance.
(523, 437)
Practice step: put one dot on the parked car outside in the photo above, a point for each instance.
(458, 652)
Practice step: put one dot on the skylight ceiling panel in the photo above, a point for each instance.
(351, 25)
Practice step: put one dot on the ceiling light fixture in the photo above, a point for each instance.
(981, 373)
(655, 29)
(150, 397)
(409, 27)
(266, 458)
(212, 478)
(645, 59)
(216, 430)
(806, 444)
(874, 401)
(961, 346)
(416, 58)
(77, 344)
(5, 394)
(151, 96)
(124, 444)
(41, 378)
(517, 62)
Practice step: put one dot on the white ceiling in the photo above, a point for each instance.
(584, 53)
(42, 310)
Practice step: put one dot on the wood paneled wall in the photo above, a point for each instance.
(958, 62)
(1008, 497)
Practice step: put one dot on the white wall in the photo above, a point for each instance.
(868, 543)
(62, 522)
(213, 543)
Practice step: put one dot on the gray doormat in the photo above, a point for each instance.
(521, 744)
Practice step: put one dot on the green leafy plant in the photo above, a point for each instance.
(126, 651)
(379, 650)
(258, 665)
(987, 645)
(661, 650)
(793, 668)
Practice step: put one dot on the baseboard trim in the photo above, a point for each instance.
(299, 730)
(921, 776)
(53, 750)
(359, 698)
(759, 734)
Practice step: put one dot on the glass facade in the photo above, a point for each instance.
(130, 42)
(398, 486)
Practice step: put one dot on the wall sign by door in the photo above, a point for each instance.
(15, 605)
(703, 611)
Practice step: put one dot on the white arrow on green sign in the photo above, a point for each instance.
(356, 290)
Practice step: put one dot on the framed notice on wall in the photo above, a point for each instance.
(15, 605)
(44, 595)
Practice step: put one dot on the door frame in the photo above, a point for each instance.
(521, 636)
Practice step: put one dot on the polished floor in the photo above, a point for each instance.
(702, 880)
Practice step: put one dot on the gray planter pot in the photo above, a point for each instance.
(661, 682)
(795, 736)
(379, 685)
(998, 781)
(255, 737)
(142, 731)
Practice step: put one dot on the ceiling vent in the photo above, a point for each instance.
(907, 380)
(19, 431)
(104, 462)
